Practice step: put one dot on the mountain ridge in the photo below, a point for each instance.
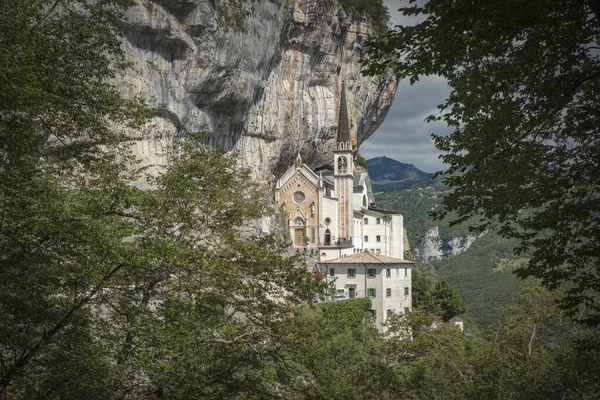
(387, 169)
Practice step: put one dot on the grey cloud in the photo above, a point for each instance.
(404, 135)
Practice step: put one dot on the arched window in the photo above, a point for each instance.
(342, 164)
(364, 201)
(327, 237)
(298, 221)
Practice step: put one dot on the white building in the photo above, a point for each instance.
(335, 212)
(385, 280)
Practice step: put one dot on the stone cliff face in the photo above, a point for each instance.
(261, 77)
(433, 247)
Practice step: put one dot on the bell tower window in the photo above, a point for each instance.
(342, 165)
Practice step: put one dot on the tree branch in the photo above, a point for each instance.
(48, 336)
(595, 6)
(531, 339)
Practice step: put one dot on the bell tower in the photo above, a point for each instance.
(343, 174)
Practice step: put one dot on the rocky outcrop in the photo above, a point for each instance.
(458, 245)
(434, 248)
(259, 77)
(431, 246)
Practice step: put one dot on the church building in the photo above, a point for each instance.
(335, 212)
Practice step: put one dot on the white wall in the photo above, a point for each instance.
(329, 210)
(400, 278)
(397, 237)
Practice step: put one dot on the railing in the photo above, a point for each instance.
(340, 243)
(358, 294)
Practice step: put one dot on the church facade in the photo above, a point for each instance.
(361, 247)
(335, 210)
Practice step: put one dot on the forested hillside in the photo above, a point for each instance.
(415, 199)
(482, 275)
(384, 168)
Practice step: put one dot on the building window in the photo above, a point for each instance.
(372, 272)
(405, 272)
(406, 291)
(342, 165)
(388, 292)
(378, 238)
(372, 312)
(298, 197)
(312, 235)
(388, 272)
(366, 221)
(351, 272)
(327, 221)
(366, 239)
(332, 272)
(371, 292)
(406, 310)
(390, 312)
(377, 221)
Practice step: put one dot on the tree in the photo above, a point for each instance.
(421, 291)
(436, 298)
(374, 9)
(446, 298)
(536, 353)
(106, 290)
(333, 351)
(523, 154)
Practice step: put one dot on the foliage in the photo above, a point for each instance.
(477, 275)
(449, 301)
(525, 80)
(360, 161)
(333, 351)
(415, 200)
(534, 354)
(108, 291)
(439, 297)
(374, 9)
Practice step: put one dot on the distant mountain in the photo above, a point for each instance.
(386, 169)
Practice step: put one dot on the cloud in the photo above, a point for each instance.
(404, 135)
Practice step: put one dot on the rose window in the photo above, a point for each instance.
(299, 197)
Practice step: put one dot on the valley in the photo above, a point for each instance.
(482, 273)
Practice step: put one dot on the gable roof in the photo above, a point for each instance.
(303, 171)
(455, 319)
(367, 258)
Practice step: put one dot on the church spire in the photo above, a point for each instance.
(343, 134)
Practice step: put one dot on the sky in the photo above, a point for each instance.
(404, 135)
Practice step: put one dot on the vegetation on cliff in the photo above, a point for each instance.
(375, 10)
